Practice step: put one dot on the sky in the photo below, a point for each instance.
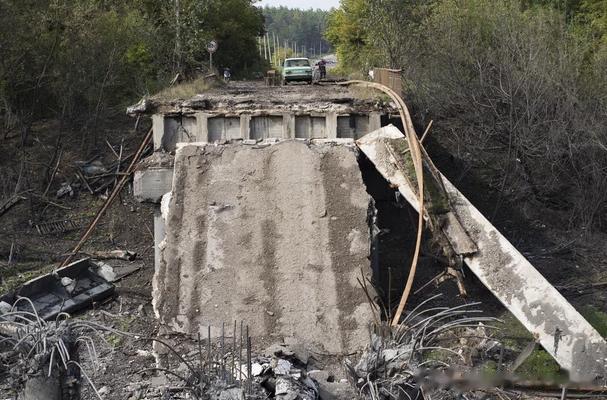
(304, 4)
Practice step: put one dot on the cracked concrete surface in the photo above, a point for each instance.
(275, 236)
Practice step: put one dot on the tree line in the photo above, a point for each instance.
(301, 31)
(85, 59)
(515, 87)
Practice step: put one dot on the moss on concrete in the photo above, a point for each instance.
(436, 200)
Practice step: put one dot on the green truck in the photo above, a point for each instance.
(296, 70)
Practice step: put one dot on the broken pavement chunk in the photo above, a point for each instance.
(5, 307)
(282, 367)
(288, 388)
(65, 189)
(114, 273)
(68, 284)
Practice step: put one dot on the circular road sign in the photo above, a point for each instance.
(212, 46)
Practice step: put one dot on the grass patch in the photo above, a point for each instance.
(489, 369)
(596, 318)
(187, 89)
(18, 274)
(541, 366)
(123, 324)
(512, 333)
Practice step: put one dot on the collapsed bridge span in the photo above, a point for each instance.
(270, 225)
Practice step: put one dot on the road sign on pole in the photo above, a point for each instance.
(211, 48)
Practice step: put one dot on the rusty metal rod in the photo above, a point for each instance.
(249, 369)
(110, 199)
(416, 157)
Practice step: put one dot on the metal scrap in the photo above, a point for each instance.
(60, 226)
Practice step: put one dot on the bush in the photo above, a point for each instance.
(515, 90)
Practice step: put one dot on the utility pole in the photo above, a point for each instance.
(277, 47)
(275, 40)
(274, 44)
(259, 45)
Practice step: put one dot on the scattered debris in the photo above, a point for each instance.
(117, 188)
(289, 388)
(397, 362)
(98, 178)
(60, 226)
(10, 203)
(64, 291)
(126, 255)
(91, 168)
(114, 273)
(39, 356)
(329, 389)
(65, 190)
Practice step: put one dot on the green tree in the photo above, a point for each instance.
(85, 60)
(350, 35)
(304, 27)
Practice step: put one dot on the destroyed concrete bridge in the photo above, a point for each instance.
(263, 216)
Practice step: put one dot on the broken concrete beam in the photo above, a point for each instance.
(149, 185)
(331, 125)
(174, 128)
(558, 327)
(275, 236)
(202, 126)
(374, 121)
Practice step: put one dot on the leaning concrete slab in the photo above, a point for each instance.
(558, 327)
(275, 236)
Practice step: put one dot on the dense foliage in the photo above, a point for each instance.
(304, 27)
(515, 88)
(79, 60)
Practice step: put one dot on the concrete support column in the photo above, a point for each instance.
(159, 234)
(202, 127)
(288, 126)
(331, 125)
(245, 126)
(374, 121)
(158, 130)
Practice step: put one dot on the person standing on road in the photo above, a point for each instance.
(227, 74)
(322, 65)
